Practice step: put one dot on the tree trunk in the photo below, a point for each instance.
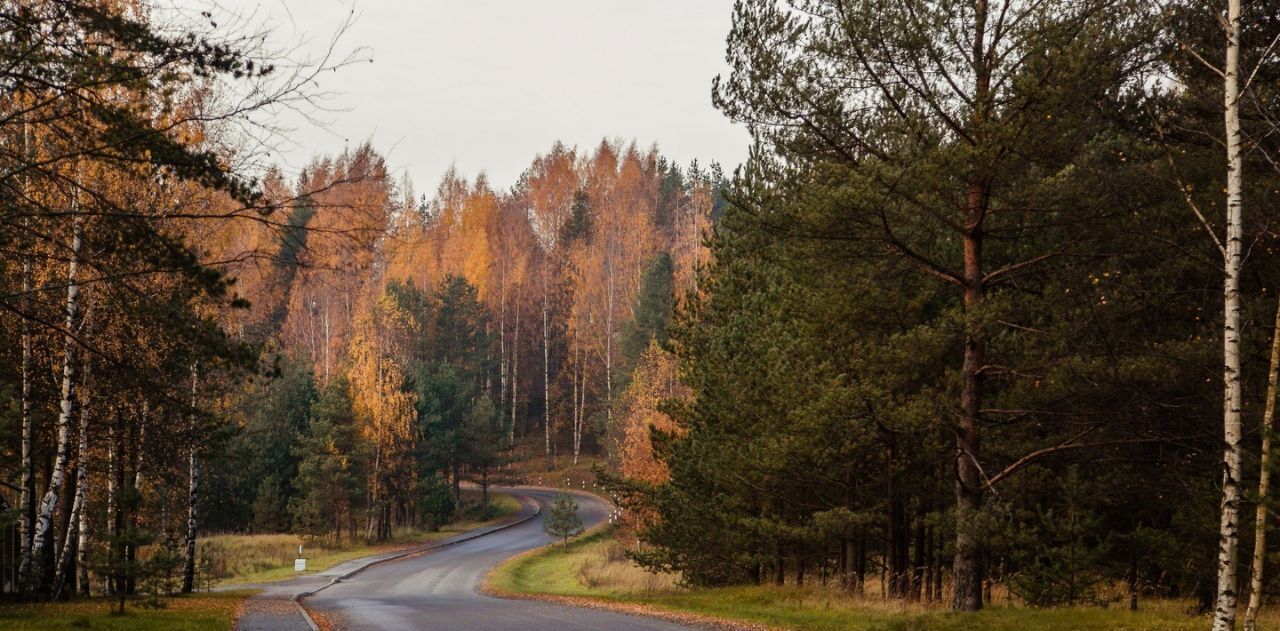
(139, 445)
(918, 566)
(457, 481)
(27, 501)
(967, 568)
(860, 561)
(515, 372)
(373, 490)
(930, 565)
(1133, 581)
(1224, 612)
(546, 376)
(27, 498)
(896, 518)
(579, 404)
(64, 568)
(326, 343)
(82, 546)
(937, 570)
(967, 565)
(73, 555)
(1264, 485)
(573, 376)
(608, 349)
(44, 518)
(779, 566)
(502, 337)
(115, 480)
(193, 491)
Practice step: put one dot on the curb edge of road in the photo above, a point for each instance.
(297, 598)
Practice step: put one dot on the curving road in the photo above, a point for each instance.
(438, 589)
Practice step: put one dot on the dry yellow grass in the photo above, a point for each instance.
(602, 564)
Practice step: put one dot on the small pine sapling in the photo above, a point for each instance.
(563, 521)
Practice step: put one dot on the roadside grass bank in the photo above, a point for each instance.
(243, 559)
(213, 611)
(594, 571)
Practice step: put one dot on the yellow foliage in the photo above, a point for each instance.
(654, 381)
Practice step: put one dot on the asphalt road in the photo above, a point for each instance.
(438, 589)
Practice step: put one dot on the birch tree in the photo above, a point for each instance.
(1264, 484)
(1224, 613)
(550, 185)
(193, 492)
(41, 538)
(71, 565)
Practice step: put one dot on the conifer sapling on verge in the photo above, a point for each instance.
(563, 521)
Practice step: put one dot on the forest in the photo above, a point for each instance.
(987, 310)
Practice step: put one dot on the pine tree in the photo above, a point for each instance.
(562, 521)
(929, 128)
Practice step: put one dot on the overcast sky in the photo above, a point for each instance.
(487, 84)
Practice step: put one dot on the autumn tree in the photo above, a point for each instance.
(382, 407)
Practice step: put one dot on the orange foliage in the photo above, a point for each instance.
(654, 381)
(349, 204)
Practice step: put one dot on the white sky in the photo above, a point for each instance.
(488, 84)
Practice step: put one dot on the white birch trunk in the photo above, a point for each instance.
(140, 448)
(1264, 485)
(66, 556)
(577, 410)
(27, 497)
(82, 545)
(502, 337)
(44, 518)
(114, 472)
(582, 408)
(311, 332)
(373, 489)
(608, 349)
(515, 374)
(546, 374)
(1224, 614)
(326, 343)
(193, 492)
(73, 547)
(27, 500)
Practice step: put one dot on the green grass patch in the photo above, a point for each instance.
(243, 559)
(195, 612)
(595, 567)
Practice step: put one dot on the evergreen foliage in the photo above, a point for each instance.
(562, 521)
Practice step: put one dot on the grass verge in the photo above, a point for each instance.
(195, 612)
(593, 571)
(243, 559)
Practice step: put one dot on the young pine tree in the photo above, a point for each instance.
(563, 521)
